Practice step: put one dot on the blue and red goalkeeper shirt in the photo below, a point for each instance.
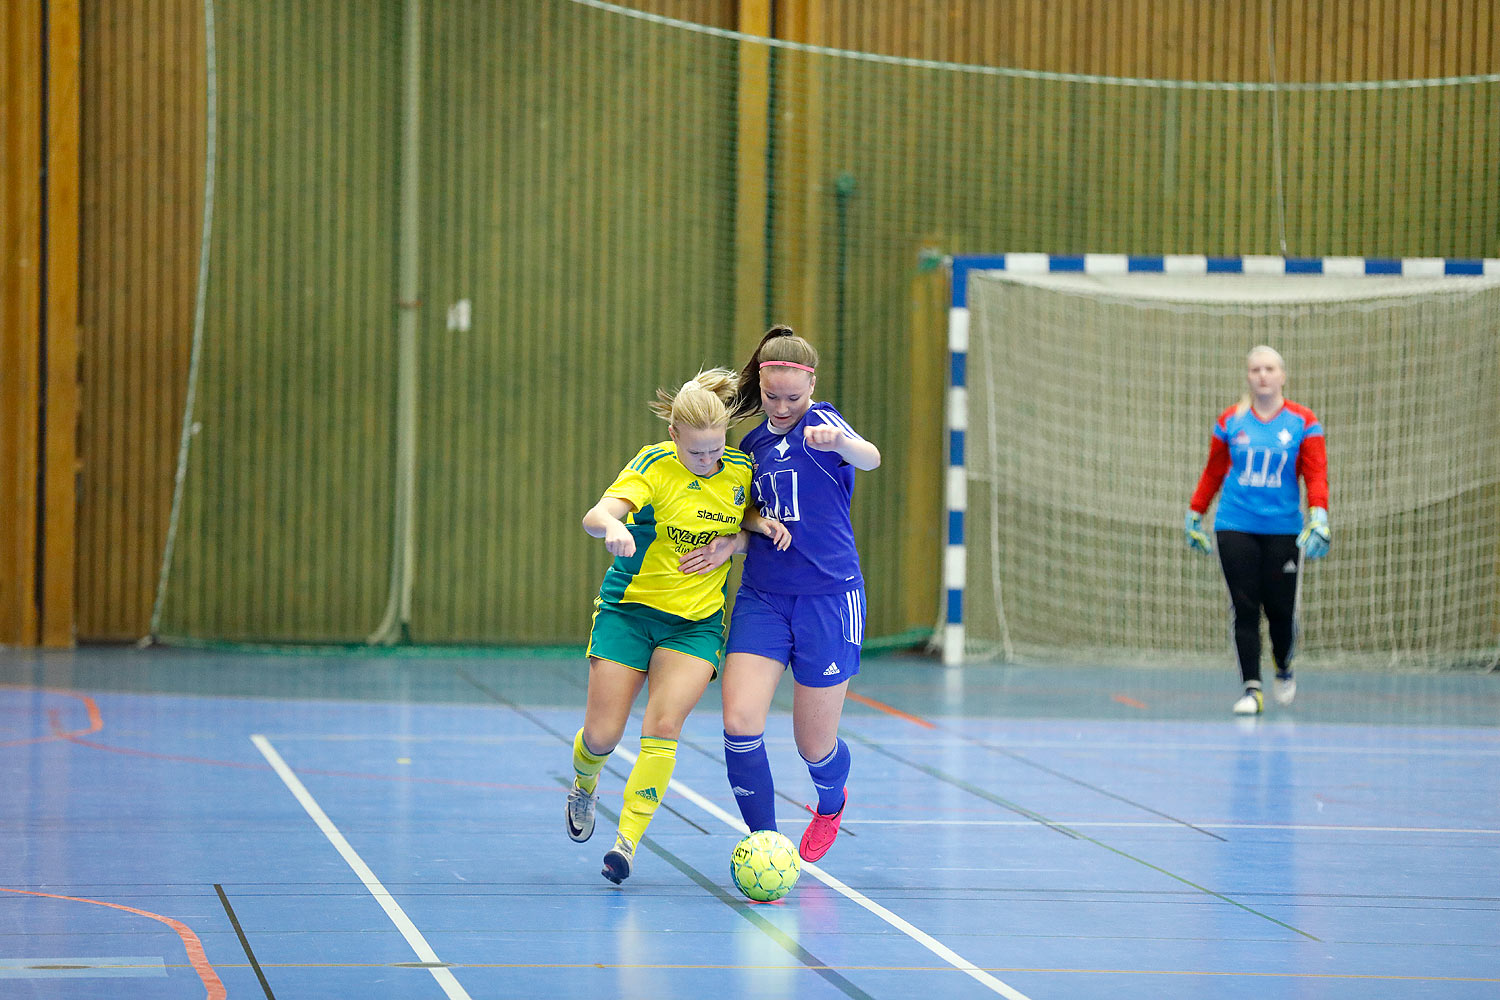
(809, 491)
(1257, 463)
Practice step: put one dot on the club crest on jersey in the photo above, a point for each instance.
(1285, 437)
(739, 496)
(1242, 438)
(781, 449)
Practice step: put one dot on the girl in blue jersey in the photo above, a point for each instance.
(803, 607)
(1260, 447)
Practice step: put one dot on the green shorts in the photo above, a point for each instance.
(630, 633)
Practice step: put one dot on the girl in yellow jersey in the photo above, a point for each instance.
(653, 616)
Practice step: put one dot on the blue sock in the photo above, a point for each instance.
(829, 776)
(750, 779)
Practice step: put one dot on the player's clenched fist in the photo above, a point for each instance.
(823, 437)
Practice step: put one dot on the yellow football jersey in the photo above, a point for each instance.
(675, 512)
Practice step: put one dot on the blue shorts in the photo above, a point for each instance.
(817, 635)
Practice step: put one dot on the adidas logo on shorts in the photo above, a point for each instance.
(742, 792)
(648, 794)
(832, 671)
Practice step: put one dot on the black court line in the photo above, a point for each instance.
(1020, 759)
(748, 911)
(1070, 832)
(244, 942)
(564, 738)
(972, 789)
(844, 831)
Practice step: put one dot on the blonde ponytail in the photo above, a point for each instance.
(702, 401)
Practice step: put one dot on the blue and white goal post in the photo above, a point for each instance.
(963, 267)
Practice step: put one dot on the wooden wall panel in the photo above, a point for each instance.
(21, 144)
(60, 369)
(143, 143)
(752, 134)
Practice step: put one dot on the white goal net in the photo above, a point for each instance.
(1090, 404)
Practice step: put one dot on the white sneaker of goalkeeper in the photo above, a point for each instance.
(1284, 689)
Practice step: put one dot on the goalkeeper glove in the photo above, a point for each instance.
(1315, 537)
(1197, 538)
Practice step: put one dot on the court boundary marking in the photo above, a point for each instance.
(429, 959)
(744, 907)
(927, 941)
(1069, 831)
(54, 720)
(191, 943)
(922, 937)
(239, 932)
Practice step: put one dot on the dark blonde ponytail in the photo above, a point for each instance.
(781, 345)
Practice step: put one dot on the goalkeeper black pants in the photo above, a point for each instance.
(1261, 573)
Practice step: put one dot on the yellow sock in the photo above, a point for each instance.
(586, 764)
(646, 786)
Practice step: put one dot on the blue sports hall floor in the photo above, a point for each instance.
(186, 824)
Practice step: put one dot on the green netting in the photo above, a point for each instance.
(584, 183)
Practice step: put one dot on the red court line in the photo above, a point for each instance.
(96, 722)
(190, 942)
(872, 703)
(1125, 699)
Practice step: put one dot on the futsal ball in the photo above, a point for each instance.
(764, 866)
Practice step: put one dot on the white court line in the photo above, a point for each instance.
(926, 940)
(1385, 750)
(1154, 750)
(387, 902)
(1108, 825)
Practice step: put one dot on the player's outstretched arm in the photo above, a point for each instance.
(858, 452)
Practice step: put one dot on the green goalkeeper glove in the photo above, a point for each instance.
(1315, 537)
(1197, 538)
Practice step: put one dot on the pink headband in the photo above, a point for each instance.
(786, 364)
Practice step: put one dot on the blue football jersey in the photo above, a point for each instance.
(809, 492)
(1260, 489)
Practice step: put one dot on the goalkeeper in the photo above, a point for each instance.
(1260, 446)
